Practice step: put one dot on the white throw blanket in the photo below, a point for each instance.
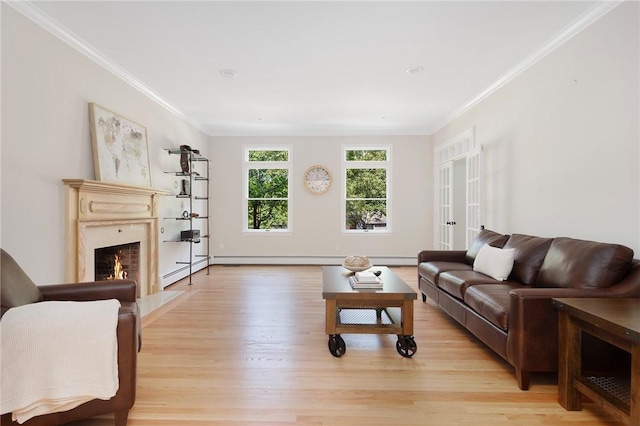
(57, 355)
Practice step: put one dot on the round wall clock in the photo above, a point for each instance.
(317, 179)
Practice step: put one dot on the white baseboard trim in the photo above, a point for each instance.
(310, 260)
(183, 272)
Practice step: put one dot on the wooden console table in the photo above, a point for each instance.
(617, 322)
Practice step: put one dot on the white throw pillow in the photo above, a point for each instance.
(495, 262)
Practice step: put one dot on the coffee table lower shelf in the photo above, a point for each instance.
(369, 321)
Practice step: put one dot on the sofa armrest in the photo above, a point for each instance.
(123, 290)
(532, 343)
(442, 256)
(130, 322)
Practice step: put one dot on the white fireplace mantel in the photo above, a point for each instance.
(99, 214)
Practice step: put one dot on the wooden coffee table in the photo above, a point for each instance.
(368, 311)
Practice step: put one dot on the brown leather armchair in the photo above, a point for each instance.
(17, 289)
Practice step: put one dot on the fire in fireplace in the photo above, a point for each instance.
(118, 262)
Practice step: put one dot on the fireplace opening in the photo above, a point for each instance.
(118, 262)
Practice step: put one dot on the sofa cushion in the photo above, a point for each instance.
(456, 282)
(17, 287)
(484, 237)
(584, 264)
(431, 270)
(495, 262)
(491, 301)
(528, 256)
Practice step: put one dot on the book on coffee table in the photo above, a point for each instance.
(367, 277)
(366, 282)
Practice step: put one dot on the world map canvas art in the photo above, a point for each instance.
(120, 152)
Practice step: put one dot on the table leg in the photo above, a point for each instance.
(569, 362)
(634, 402)
(379, 315)
(407, 317)
(330, 316)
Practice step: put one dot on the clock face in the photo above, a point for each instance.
(317, 179)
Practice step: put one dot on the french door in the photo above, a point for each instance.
(447, 204)
(474, 194)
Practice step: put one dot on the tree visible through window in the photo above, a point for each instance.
(267, 173)
(366, 189)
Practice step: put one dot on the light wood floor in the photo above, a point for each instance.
(246, 346)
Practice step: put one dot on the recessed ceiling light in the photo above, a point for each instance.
(382, 117)
(415, 70)
(228, 73)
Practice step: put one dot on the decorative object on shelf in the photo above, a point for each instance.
(190, 235)
(317, 179)
(184, 158)
(195, 214)
(186, 187)
(185, 214)
(120, 152)
(356, 263)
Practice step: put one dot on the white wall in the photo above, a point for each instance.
(561, 149)
(317, 236)
(46, 88)
(562, 139)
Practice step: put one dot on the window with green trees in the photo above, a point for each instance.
(267, 188)
(366, 204)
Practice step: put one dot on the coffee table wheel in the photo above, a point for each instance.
(337, 347)
(406, 346)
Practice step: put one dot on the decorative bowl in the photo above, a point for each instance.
(356, 268)
(356, 263)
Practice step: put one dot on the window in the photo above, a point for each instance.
(267, 204)
(367, 202)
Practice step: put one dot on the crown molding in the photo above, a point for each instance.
(36, 14)
(313, 131)
(591, 15)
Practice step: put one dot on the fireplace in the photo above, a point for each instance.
(103, 216)
(117, 262)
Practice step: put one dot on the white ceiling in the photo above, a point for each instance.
(312, 67)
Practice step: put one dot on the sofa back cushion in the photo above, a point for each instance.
(17, 287)
(529, 253)
(484, 237)
(584, 264)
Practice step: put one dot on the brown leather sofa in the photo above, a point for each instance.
(515, 317)
(17, 289)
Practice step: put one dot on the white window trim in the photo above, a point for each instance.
(366, 165)
(246, 165)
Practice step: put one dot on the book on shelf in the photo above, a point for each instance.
(364, 284)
